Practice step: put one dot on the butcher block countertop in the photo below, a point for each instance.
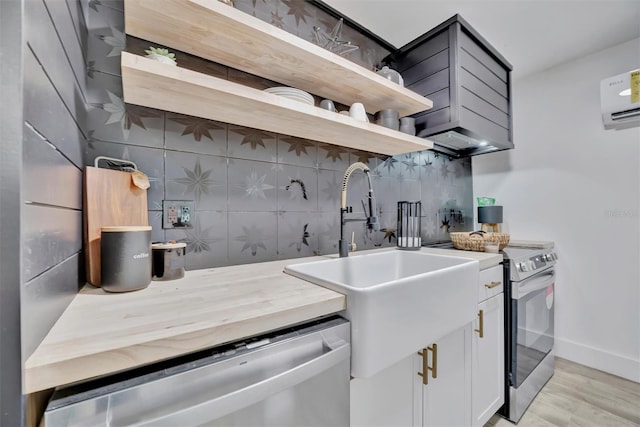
(102, 333)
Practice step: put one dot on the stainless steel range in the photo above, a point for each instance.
(529, 302)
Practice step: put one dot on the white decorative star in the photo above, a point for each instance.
(333, 41)
(255, 187)
(117, 40)
(115, 108)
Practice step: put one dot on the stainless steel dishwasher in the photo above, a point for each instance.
(293, 377)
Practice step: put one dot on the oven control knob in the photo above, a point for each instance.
(522, 266)
(531, 265)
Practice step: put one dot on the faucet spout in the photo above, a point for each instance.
(371, 219)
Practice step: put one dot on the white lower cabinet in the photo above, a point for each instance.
(386, 399)
(487, 348)
(464, 383)
(446, 398)
(398, 397)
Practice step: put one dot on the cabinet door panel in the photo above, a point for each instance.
(487, 381)
(447, 398)
(386, 399)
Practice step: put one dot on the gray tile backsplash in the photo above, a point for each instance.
(259, 196)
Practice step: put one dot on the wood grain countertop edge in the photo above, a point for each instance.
(64, 372)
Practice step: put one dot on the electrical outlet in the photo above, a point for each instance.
(177, 213)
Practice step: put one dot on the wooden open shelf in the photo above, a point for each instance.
(152, 84)
(220, 33)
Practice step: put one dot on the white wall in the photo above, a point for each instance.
(570, 181)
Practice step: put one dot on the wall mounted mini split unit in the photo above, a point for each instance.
(620, 100)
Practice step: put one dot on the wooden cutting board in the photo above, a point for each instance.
(110, 198)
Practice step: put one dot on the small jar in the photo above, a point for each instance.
(168, 260)
(391, 74)
(408, 125)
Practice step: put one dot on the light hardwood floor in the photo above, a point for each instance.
(577, 396)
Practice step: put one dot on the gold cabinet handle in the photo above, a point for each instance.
(480, 329)
(492, 284)
(425, 367)
(425, 363)
(434, 361)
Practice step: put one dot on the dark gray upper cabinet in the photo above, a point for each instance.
(469, 83)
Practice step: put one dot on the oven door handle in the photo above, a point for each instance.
(533, 284)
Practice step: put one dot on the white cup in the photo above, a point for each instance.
(358, 112)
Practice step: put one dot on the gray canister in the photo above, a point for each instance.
(125, 258)
(168, 260)
(489, 214)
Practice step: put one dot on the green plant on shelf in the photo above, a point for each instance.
(161, 55)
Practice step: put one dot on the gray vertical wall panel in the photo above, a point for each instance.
(46, 297)
(79, 24)
(11, 47)
(65, 27)
(44, 109)
(43, 40)
(49, 236)
(48, 177)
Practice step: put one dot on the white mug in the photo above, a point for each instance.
(358, 112)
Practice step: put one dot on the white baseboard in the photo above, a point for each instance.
(596, 358)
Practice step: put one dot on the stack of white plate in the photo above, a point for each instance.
(291, 93)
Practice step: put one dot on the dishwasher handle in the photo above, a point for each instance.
(247, 396)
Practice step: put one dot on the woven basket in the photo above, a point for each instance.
(474, 241)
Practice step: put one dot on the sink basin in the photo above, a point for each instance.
(397, 301)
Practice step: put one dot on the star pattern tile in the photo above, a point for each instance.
(196, 181)
(197, 127)
(298, 9)
(253, 239)
(363, 156)
(298, 145)
(197, 239)
(254, 186)
(117, 40)
(444, 169)
(389, 164)
(277, 20)
(331, 190)
(334, 152)
(253, 137)
(410, 164)
(126, 114)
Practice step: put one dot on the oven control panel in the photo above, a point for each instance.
(530, 264)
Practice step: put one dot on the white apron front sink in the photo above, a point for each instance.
(397, 301)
